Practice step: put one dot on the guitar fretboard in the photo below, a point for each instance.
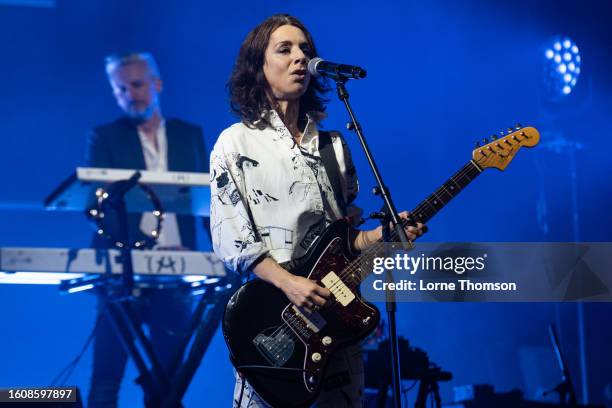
(443, 195)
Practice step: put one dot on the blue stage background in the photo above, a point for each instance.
(441, 76)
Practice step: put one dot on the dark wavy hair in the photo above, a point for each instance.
(247, 85)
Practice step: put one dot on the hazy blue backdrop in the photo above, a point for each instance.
(441, 75)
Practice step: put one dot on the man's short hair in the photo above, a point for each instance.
(118, 60)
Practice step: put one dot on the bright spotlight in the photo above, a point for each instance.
(561, 66)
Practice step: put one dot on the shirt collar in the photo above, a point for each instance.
(273, 118)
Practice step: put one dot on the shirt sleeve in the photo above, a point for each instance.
(235, 238)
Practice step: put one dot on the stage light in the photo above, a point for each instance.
(201, 279)
(561, 66)
(37, 278)
(81, 288)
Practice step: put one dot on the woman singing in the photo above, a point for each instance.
(271, 194)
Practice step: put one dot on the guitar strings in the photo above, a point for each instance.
(470, 171)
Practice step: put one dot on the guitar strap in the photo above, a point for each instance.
(328, 156)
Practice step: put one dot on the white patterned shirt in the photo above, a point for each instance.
(270, 195)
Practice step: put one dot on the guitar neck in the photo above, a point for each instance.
(443, 195)
(496, 153)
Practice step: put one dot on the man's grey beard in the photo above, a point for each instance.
(141, 117)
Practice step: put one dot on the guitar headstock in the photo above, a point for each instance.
(500, 150)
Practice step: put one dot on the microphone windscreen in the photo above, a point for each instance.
(312, 66)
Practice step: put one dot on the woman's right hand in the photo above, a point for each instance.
(301, 291)
(304, 292)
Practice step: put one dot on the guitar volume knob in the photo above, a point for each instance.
(326, 341)
(316, 357)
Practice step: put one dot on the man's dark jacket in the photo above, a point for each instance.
(117, 145)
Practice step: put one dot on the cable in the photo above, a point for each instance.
(406, 390)
(67, 371)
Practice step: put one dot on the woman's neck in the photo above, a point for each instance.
(289, 114)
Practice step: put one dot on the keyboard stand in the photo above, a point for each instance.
(159, 390)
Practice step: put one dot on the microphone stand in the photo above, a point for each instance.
(387, 216)
(128, 325)
(117, 192)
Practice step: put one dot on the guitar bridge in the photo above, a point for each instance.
(275, 349)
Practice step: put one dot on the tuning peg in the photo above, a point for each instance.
(510, 130)
(493, 137)
(477, 145)
(518, 126)
(485, 141)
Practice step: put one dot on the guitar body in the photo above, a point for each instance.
(282, 350)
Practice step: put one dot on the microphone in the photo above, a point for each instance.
(318, 67)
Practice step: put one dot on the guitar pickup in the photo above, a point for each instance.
(313, 321)
(341, 292)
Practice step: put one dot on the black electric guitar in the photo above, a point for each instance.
(283, 350)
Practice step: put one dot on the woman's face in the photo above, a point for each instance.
(285, 63)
